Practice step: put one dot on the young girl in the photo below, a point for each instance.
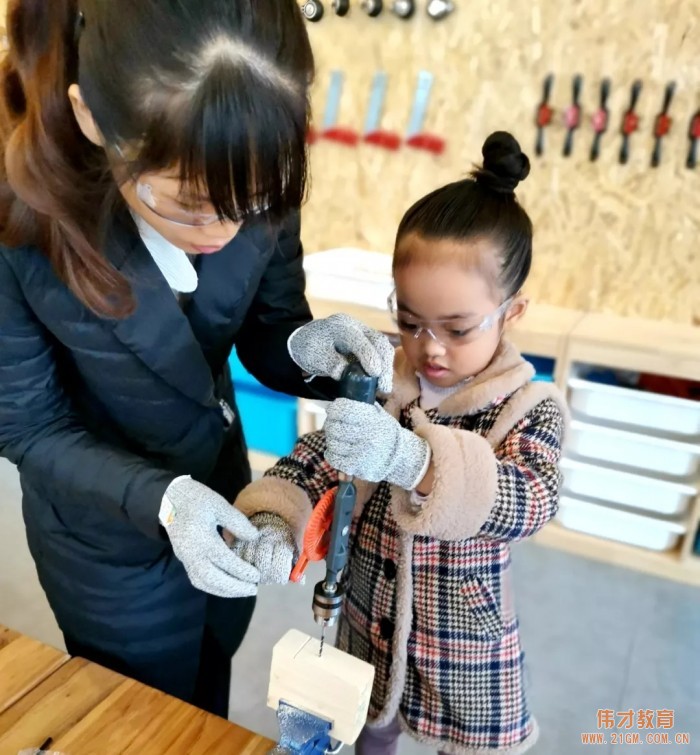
(461, 460)
(154, 164)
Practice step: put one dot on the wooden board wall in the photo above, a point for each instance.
(609, 237)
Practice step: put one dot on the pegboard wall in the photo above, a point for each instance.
(609, 237)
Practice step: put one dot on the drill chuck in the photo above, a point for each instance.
(327, 603)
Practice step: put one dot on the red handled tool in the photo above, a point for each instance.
(572, 115)
(331, 130)
(544, 113)
(415, 136)
(662, 124)
(694, 136)
(373, 133)
(630, 122)
(600, 119)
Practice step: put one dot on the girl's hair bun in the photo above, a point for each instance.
(505, 165)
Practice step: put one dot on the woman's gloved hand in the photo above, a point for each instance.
(322, 348)
(364, 441)
(192, 526)
(273, 553)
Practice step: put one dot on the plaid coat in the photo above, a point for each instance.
(429, 599)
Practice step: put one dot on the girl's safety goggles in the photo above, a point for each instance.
(452, 331)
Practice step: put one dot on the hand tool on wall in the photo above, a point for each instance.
(403, 8)
(372, 7)
(439, 9)
(600, 119)
(694, 136)
(630, 121)
(662, 124)
(373, 133)
(356, 385)
(312, 10)
(544, 113)
(341, 7)
(572, 115)
(415, 136)
(331, 130)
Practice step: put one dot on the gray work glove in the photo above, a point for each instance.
(364, 441)
(322, 348)
(197, 512)
(273, 553)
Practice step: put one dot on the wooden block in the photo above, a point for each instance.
(335, 687)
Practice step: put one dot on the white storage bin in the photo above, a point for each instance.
(654, 412)
(350, 275)
(625, 489)
(619, 524)
(311, 415)
(655, 455)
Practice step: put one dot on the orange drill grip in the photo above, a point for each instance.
(315, 545)
(299, 568)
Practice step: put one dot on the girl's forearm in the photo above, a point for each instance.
(425, 486)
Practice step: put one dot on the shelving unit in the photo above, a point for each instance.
(571, 337)
(648, 346)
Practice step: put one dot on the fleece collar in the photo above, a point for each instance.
(506, 373)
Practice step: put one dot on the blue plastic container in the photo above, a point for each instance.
(544, 368)
(269, 418)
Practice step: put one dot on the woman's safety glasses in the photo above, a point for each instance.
(175, 213)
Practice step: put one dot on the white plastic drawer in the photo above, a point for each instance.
(311, 415)
(653, 412)
(349, 275)
(618, 524)
(654, 455)
(625, 489)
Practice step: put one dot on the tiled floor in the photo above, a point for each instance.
(596, 637)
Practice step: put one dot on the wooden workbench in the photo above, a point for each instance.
(88, 710)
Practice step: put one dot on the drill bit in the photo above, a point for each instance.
(323, 638)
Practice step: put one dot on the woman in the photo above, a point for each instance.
(154, 167)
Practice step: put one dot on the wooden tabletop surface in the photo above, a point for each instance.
(88, 710)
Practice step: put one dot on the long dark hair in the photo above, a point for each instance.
(481, 206)
(218, 88)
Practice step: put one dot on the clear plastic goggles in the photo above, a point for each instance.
(169, 210)
(452, 331)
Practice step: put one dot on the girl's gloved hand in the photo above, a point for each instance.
(366, 442)
(273, 553)
(322, 348)
(192, 526)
